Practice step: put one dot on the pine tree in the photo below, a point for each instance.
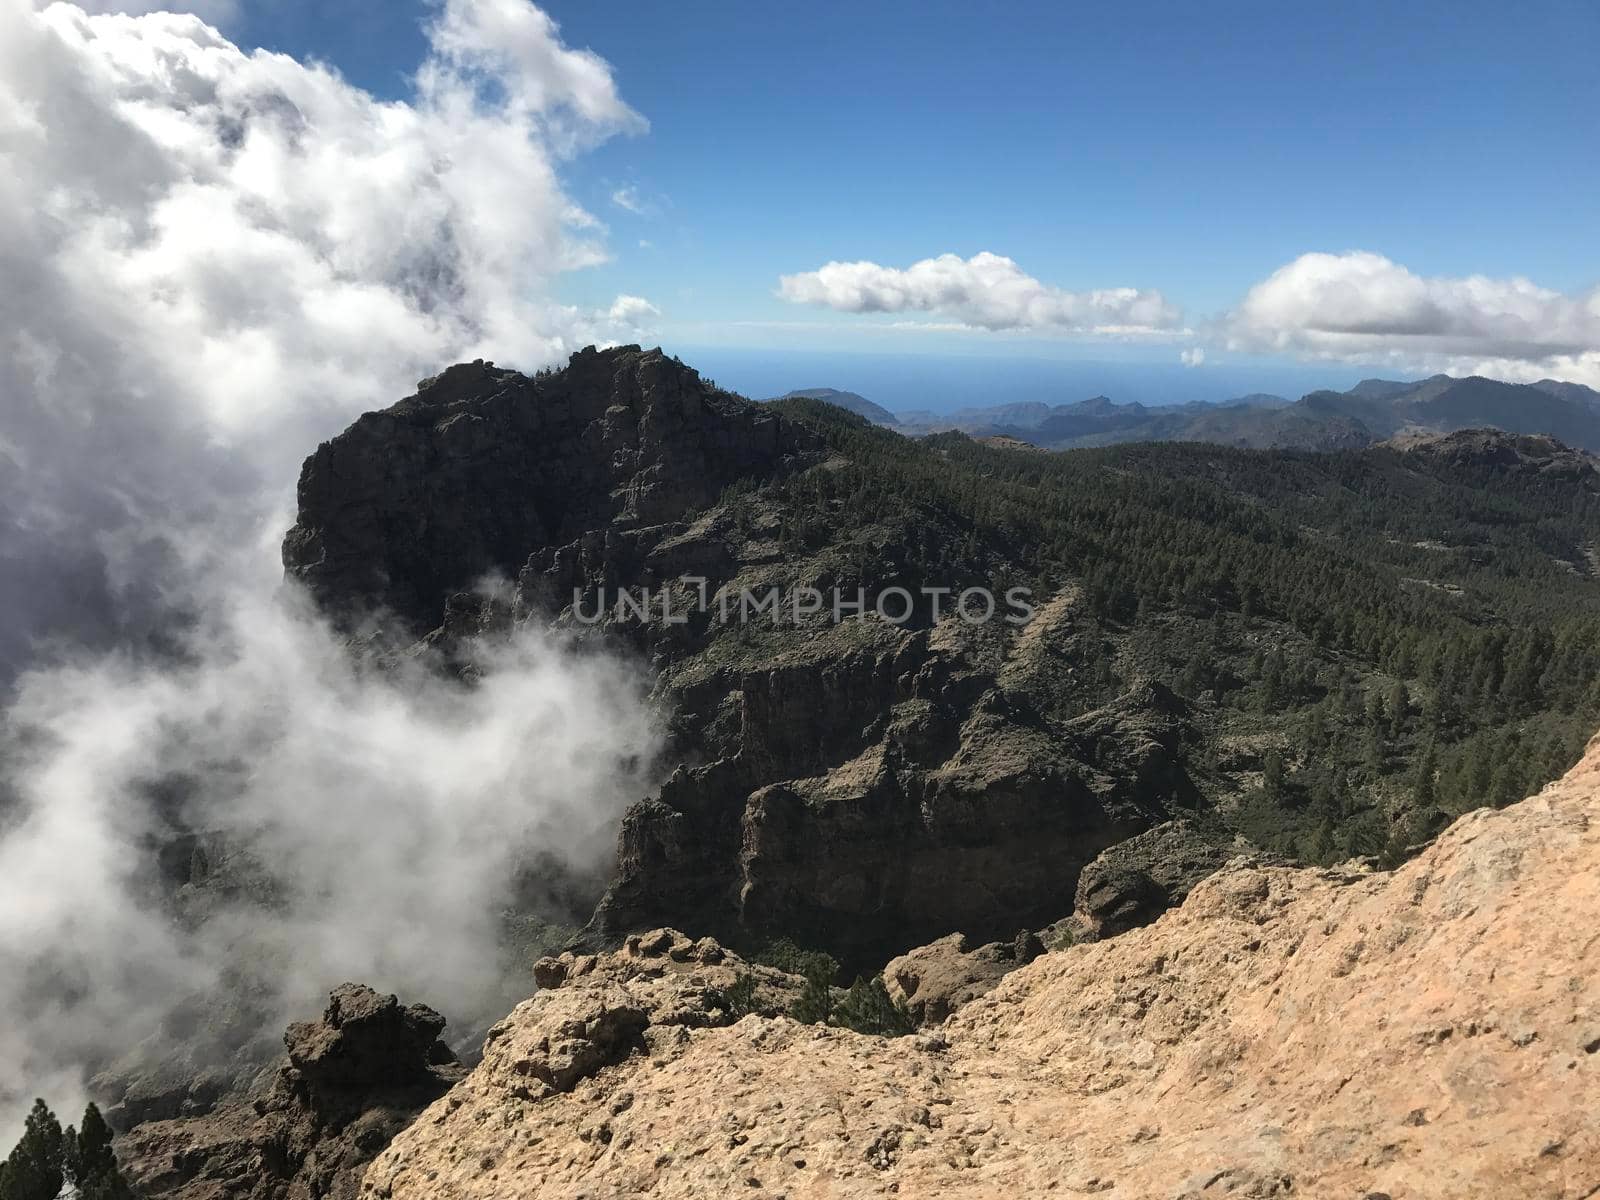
(89, 1162)
(868, 1008)
(1399, 705)
(815, 1003)
(1423, 789)
(1272, 775)
(34, 1169)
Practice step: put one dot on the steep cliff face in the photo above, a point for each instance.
(865, 804)
(1431, 1032)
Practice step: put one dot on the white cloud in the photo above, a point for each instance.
(1193, 357)
(628, 198)
(569, 94)
(213, 260)
(1362, 307)
(630, 310)
(389, 810)
(986, 291)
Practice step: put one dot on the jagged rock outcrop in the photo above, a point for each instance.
(872, 800)
(1135, 881)
(1530, 455)
(1431, 1032)
(353, 1080)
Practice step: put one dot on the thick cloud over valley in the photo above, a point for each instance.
(213, 260)
(1363, 308)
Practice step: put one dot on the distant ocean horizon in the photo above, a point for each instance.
(945, 382)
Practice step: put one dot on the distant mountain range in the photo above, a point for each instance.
(1375, 410)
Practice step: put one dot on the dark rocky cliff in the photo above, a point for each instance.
(484, 466)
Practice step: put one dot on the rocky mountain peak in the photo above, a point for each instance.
(483, 465)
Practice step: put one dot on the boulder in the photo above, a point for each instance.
(933, 981)
(1133, 882)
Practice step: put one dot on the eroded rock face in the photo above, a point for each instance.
(869, 803)
(1431, 1032)
(352, 1081)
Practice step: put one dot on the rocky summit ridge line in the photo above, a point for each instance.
(482, 465)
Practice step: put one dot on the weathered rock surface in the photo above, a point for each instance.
(353, 1080)
(879, 797)
(1528, 454)
(1434, 1032)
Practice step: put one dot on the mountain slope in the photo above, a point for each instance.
(1328, 654)
(1426, 1033)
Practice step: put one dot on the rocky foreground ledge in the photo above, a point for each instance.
(1434, 1032)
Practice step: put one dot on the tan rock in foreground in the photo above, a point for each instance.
(1430, 1033)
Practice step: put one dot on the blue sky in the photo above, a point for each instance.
(1163, 146)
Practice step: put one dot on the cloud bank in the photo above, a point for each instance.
(1362, 307)
(342, 823)
(216, 259)
(213, 260)
(986, 291)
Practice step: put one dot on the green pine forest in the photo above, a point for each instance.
(1372, 642)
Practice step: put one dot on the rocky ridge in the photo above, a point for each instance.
(352, 1080)
(1430, 1032)
(483, 465)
